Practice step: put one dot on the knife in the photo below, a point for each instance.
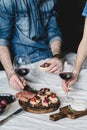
(14, 113)
(29, 89)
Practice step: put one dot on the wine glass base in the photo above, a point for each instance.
(66, 100)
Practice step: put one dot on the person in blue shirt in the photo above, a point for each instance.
(31, 28)
(81, 55)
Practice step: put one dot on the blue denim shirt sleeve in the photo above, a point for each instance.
(84, 13)
(6, 24)
(54, 32)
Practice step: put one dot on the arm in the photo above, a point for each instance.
(56, 48)
(56, 64)
(55, 41)
(82, 51)
(81, 56)
(6, 60)
(54, 34)
(53, 30)
(16, 81)
(6, 25)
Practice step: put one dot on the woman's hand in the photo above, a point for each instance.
(17, 82)
(66, 84)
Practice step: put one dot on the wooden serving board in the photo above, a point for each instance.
(67, 112)
(38, 110)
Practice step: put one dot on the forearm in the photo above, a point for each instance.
(81, 56)
(6, 60)
(82, 50)
(56, 47)
(53, 29)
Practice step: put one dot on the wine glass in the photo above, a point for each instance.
(67, 76)
(20, 65)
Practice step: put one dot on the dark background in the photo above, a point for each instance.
(71, 23)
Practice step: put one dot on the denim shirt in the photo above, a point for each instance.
(84, 13)
(30, 26)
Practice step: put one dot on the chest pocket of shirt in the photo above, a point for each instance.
(22, 23)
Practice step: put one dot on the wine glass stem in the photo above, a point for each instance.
(67, 96)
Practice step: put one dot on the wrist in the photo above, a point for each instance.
(76, 69)
(76, 72)
(57, 56)
(10, 73)
(60, 57)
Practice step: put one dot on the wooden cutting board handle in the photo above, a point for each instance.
(66, 112)
(72, 114)
(77, 114)
(57, 116)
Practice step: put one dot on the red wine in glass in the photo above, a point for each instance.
(20, 64)
(22, 71)
(66, 75)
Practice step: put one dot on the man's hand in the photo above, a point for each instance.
(56, 65)
(17, 82)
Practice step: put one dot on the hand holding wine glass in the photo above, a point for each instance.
(20, 66)
(66, 85)
(66, 76)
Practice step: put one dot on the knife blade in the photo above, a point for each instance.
(29, 89)
(3, 121)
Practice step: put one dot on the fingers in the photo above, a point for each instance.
(17, 82)
(65, 86)
(58, 70)
(55, 67)
(52, 68)
(23, 81)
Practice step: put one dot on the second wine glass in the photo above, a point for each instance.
(20, 64)
(67, 76)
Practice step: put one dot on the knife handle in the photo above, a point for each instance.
(10, 116)
(5, 120)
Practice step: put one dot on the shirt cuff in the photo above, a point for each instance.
(4, 42)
